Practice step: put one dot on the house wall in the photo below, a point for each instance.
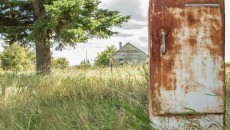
(130, 55)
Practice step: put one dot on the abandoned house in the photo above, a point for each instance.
(128, 54)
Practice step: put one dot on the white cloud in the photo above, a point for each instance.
(136, 8)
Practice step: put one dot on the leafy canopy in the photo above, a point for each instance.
(65, 22)
(16, 20)
(103, 58)
(74, 21)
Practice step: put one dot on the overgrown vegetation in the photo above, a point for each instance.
(75, 99)
(60, 63)
(17, 58)
(79, 99)
(103, 58)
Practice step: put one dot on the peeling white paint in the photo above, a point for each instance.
(210, 122)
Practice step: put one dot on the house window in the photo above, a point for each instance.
(121, 61)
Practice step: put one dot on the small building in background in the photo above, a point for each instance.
(128, 54)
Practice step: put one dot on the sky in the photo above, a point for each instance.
(135, 32)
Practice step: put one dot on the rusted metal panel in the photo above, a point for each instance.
(186, 58)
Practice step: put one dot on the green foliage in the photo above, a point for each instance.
(79, 20)
(17, 58)
(139, 111)
(66, 21)
(103, 59)
(60, 63)
(16, 18)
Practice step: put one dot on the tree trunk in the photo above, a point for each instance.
(43, 53)
(43, 59)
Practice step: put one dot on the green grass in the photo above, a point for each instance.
(79, 99)
(75, 99)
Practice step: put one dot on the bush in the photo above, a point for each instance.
(103, 59)
(60, 63)
(17, 58)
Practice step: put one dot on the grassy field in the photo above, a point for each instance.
(79, 99)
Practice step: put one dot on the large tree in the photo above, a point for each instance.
(64, 22)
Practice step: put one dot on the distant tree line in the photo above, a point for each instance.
(18, 58)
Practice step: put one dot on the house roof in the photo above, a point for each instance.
(127, 45)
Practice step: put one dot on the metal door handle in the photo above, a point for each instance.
(201, 5)
(163, 46)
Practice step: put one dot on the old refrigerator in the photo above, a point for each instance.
(186, 64)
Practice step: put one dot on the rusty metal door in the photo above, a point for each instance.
(186, 60)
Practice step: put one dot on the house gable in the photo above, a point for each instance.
(130, 51)
(129, 54)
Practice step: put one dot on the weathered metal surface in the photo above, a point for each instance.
(189, 77)
(208, 122)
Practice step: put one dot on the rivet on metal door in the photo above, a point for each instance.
(186, 60)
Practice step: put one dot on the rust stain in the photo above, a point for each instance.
(191, 19)
(190, 32)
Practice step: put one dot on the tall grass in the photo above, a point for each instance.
(75, 99)
(87, 99)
